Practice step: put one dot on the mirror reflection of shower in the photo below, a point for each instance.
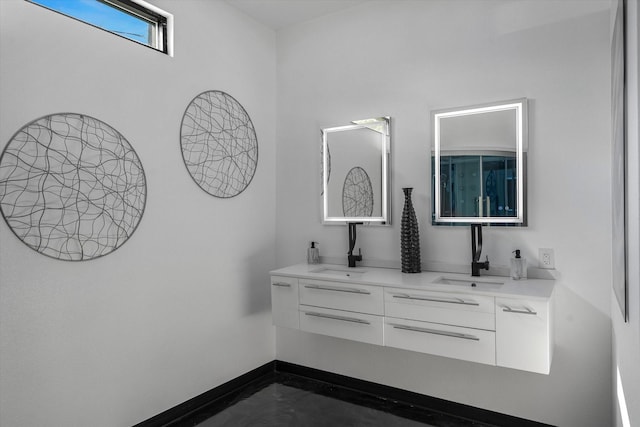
(478, 186)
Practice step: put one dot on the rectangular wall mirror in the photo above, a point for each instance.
(355, 172)
(479, 164)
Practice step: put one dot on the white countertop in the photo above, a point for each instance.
(505, 286)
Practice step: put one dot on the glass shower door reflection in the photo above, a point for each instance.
(478, 186)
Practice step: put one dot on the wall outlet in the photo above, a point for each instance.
(546, 258)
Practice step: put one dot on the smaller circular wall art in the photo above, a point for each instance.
(357, 193)
(71, 187)
(219, 144)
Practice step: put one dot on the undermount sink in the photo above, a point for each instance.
(471, 282)
(334, 271)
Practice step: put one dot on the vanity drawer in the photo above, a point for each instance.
(473, 311)
(342, 324)
(342, 296)
(284, 301)
(474, 345)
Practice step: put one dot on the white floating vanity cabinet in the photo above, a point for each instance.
(493, 320)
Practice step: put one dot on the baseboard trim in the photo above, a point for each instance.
(226, 391)
(269, 372)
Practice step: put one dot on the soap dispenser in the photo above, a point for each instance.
(313, 254)
(518, 266)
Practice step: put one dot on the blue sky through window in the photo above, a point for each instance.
(104, 16)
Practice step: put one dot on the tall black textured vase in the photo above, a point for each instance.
(409, 236)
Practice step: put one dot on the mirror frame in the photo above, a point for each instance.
(385, 147)
(522, 141)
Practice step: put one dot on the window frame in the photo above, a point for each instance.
(161, 22)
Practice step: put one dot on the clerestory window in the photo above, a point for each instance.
(135, 20)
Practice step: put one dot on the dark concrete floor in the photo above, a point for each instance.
(294, 401)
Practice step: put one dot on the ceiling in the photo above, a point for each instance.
(277, 14)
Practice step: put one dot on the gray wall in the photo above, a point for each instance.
(184, 305)
(405, 59)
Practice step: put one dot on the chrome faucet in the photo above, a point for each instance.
(352, 243)
(476, 250)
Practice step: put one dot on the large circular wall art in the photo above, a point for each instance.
(219, 144)
(71, 187)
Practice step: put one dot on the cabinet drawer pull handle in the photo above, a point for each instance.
(331, 316)
(330, 288)
(281, 284)
(436, 332)
(526, 310)
(449, 301)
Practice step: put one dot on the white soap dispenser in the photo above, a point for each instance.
(313, 254)
(518, 266)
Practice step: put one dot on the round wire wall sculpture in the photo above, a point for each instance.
(357, 193)
(219, 144)
(71, 187)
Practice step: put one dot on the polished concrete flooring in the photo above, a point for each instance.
(293, 401)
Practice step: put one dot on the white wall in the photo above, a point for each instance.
(405, 59)
(626, 336)
(183, 306)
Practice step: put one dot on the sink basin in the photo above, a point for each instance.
(471, 282)
(343, 272)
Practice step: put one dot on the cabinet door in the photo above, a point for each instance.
(524, 334)
(284, 301)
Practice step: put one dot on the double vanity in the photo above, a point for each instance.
(478, 173)
(488, 319)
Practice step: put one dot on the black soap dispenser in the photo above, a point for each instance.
(313, 254)
(518, 266)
